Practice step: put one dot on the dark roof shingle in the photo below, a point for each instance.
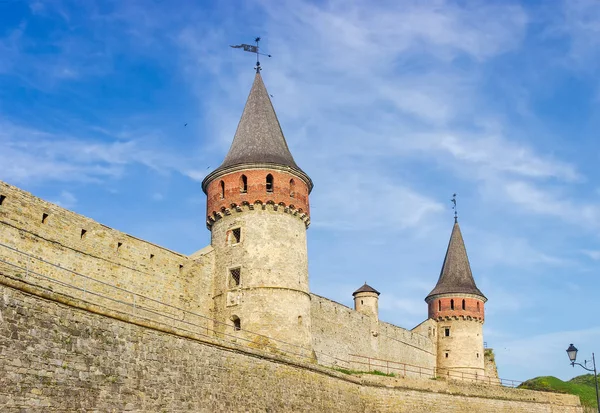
(259, 138)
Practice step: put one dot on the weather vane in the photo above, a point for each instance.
(453, 200)
(253, 49)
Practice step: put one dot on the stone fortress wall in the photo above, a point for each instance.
(56, 358)
(148, 334)
(344, 333)
(38, 237)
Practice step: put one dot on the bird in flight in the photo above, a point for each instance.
(185, 124)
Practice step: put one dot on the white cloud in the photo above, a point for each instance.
(547, 202)
(543, 354)
(38, 156)
(356, 201)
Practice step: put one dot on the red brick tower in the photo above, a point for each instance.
(458, 306)
(258, 213)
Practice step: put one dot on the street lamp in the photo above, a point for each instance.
(572, 353)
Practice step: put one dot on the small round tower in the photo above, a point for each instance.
(458, 306)
(258, 213)
(366, 301)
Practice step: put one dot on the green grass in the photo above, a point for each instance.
(582, 386)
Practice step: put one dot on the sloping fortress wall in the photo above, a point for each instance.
(56, 358)
(39, 237)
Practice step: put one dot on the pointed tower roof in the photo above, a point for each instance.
(259, 139)
(366, 289)
(456, 276)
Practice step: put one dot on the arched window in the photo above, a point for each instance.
(477, 306)
(292, 188)
(237, 323)
(243, 184)
(222, 189)
(452, 304)
(269, 183)
(440, 305)
(463, 304)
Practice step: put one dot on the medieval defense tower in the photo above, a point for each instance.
(258, 213)
(458, 306)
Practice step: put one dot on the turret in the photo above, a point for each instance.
(258, 213)
(458, 306)
(366, 301)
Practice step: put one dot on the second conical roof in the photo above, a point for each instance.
(456, 276)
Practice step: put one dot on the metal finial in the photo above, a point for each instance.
(453, 200)
(258, 68)
(253, 49)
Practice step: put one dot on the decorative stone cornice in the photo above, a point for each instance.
(214, 216)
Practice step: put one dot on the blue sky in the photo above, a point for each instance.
(389, 106)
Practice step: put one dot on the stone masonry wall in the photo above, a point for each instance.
(39, 237)
(344, 333)
(55, 358)
(270, 296)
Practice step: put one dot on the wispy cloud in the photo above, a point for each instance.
(552, 203)
(38, 156)
(595, 255)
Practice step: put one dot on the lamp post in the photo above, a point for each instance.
(572, 353)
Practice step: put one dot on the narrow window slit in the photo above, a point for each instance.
(463, 305)
(83, 232)
(151, 256)
(237, 323)
(235, 277)
(243, 184)
(222, 189)
(236, 235)
(269, 183)
(119, 245)
(44, 216)
(2, 198)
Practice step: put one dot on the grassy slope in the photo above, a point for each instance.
(582, 386)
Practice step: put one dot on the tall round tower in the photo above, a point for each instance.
(458, 306)
(258, 213)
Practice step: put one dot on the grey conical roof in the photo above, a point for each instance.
(456, 276)
(366, 289)
(258, 138)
